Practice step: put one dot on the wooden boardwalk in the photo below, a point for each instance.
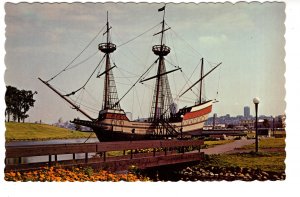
(142, 154)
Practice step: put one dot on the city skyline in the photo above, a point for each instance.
(247, 38)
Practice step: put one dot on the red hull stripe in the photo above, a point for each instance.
(195, 114)
(115, 116)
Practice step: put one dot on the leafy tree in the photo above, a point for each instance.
(18, 103)
(10, 99)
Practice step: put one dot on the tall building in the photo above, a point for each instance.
(246, 112)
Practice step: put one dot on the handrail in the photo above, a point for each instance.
(39, 150)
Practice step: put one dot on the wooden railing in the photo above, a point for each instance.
(160, 152)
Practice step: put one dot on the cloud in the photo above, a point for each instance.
(215, 40)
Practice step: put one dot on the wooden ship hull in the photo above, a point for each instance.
(113, 125)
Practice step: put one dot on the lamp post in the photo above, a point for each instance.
(256, 102)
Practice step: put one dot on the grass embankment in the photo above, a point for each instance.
(271, 156)
(265, 161)
(33, 131)
(268, 143)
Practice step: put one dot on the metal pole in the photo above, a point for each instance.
(273, 127)
(256, 131)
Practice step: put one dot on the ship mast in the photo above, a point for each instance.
(201, 75)
(110, 96)
(162, 97)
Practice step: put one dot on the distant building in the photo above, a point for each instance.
(247, 123)
(247, 112)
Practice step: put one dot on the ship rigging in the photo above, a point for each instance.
(164, 121)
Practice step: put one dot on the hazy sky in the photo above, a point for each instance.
(41, 39)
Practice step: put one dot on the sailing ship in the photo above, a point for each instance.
(164, 122)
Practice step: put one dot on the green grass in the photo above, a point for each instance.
(268, 143)
(264, 161)
(209, 144)
(33, 131)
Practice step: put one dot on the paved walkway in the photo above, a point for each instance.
(227, 147)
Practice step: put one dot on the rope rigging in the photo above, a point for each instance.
(171, 63)
(74, 66)
(76, 56)
(138, 36)
(188, 44)
(136, 82)
(74, 92)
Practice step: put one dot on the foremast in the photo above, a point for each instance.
(110, 95)
(162, 97)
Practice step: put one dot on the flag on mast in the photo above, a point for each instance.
(161, 9)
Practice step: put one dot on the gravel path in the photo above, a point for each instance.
(227, 147)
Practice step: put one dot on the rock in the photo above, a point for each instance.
(241, 176)
(264, 174)
(264, 178)
(188, 169)
(275, 177)
(238, 169)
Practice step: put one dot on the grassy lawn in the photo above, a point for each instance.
(264, 161)
(209, 144)
(33, 131)
(268, 143)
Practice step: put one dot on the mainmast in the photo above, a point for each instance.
(110, 96)
(201, 75)
(162, 97)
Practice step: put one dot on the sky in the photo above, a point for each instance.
(248, 38)
(66, 48)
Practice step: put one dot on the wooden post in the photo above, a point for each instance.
(104, 156)
(55, 157)
(166, 151)
(124, 152)
(20, 160)
(74, 156)
(86, 157)
(153, 152)
(131, 154)
(50, 157)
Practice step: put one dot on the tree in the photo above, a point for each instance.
(10, 100)
(18, 103)
(78, 127)
(266, 123)
(60, 120)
